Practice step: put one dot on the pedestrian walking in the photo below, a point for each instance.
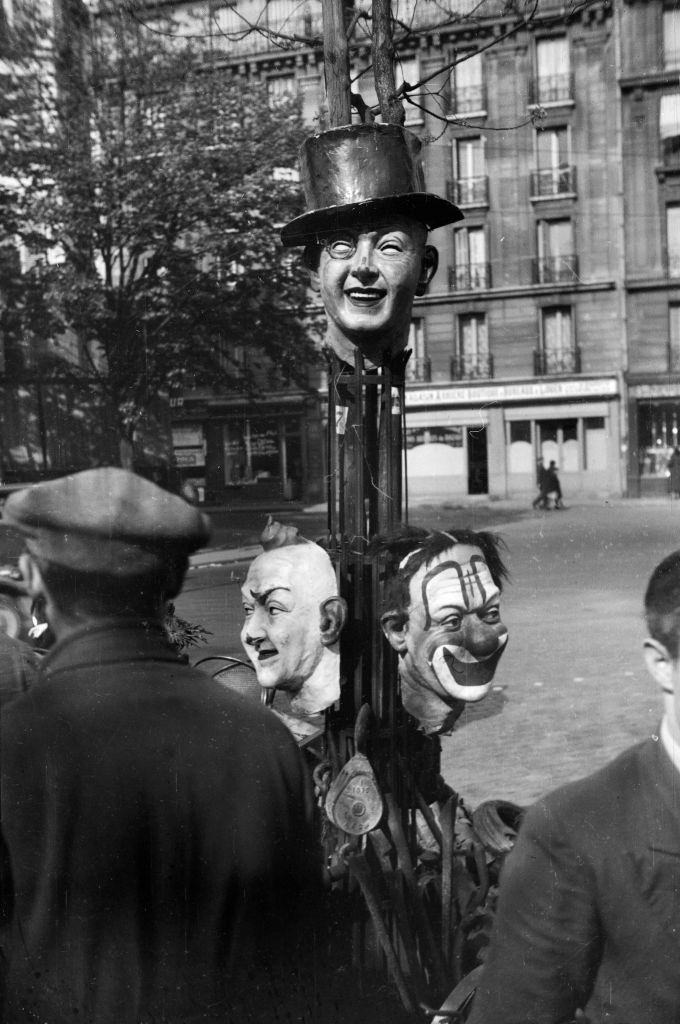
(589, 908)
(552, 485)
(674, 473)
(157, 830)
(541, 500)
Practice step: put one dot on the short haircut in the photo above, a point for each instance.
(427, 545)
(662, 604)
(100, 594)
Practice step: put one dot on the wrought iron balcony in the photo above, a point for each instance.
(469, 191)
(552, 88)
(553, 181)
(469, 99)
(470, 277)
(419, 370)
(552, 362)
(472, 367)
(556, 270)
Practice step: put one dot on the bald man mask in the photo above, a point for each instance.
(293, 619)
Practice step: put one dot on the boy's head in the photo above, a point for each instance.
(662, 646)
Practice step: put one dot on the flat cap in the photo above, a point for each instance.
(105, 520)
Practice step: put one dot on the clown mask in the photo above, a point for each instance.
(452, 640)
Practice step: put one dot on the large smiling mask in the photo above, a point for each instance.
(293, 619)
(443, 618)
(365, 234)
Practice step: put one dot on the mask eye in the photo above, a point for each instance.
(492, 615)
(340, 247)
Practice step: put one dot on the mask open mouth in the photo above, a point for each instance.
(463, 675)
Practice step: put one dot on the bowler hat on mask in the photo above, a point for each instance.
(105, 520)
(361, 171)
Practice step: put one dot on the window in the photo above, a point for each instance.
(467, 84)
(674, 337)
(418, 366)
(281, 89)
(673, 238)
(671, 38)
(471, 269)
(558, 354)
(555, 174)
(556, 258)
(553, 84)
(669, 127)
(408, 71)
(469, 172)
(472, 358)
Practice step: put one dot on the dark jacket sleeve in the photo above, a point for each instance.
(546, 947)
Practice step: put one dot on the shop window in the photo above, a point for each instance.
(520, 453)
(671, 38)
(467, 84)
(553, 71)
(558, 442)
(251, 451)
(469, 172)
(673, 238)
(557, 260)
(657, 436)
(595, 443)
(471, 270)
(669, 127)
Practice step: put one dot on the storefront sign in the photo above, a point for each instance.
(520, 392)
(190, 457)
(654, 391)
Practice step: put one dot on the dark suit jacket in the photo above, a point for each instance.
(589, 908)
(157, 841)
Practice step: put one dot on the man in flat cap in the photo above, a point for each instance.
(365, 234)
(157, 850)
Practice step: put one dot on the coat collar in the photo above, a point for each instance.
(107, 641)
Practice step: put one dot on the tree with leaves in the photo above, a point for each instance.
(143, 188)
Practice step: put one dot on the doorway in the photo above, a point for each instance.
(478, 465)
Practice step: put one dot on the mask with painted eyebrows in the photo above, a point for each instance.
(452, 639)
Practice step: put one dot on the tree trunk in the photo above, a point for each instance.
(336, 63)
(391, 108)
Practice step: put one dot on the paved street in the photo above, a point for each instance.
(572, 690)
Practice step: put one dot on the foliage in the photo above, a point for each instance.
(142, 186)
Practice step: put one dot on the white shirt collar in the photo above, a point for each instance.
(671, 746)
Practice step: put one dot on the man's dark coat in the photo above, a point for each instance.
(589, 909)
(157, 836)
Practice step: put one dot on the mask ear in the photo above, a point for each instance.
(395, 626)
(659, 664)
(333, 618)
(428, 269)
(32, 576)
(310, 258)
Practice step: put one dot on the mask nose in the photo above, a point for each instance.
(363, 268)
(481, 639)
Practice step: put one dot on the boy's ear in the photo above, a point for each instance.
(659, 664)
(395, 626)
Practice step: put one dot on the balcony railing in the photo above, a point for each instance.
(472, 367)
(556, 270)
(551, 362)
(552, 88)
(469, 99)
(470, 277)
(469, 191)
(419, 370)
(553, 181)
